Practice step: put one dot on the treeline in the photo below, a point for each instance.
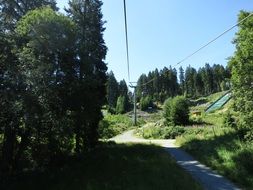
(52, 81)
(118, 96)
(167, 82)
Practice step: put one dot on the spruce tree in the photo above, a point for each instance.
(91, 52)
(242, 71)
(112, 91)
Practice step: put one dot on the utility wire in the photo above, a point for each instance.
(127, 51)
(202, 47)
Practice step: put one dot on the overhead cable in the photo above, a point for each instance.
(127, 51)
(202, 47)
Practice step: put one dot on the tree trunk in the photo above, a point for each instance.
(22, 147)
(8, 148)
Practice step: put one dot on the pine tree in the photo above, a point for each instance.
(181, 80)
(112, 91)
(242, 71)
(91, 52)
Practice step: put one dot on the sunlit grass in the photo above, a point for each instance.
(222, 151)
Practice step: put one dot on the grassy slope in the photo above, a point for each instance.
(112, 167)
(221, 149)
(214, 145)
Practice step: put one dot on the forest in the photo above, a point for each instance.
(157, 86)
(52, 82)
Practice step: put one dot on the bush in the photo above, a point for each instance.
(173, 132)
(152, 131)
(176, 111)
(228, 120)
(146, 102)
(113, 125)
(222, 151)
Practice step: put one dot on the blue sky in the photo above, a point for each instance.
(163, 32)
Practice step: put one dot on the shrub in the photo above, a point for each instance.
(146, 102)
(173, 132)
(176, 111)
(228, 120)
(152, 131)
(113, 125)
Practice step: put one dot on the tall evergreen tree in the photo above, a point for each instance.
(91, 52)
(242, 71)
(112, 90)
(190, 76)
(181, 80)
(208, 79)
(123, 90)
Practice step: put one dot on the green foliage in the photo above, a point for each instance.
(150, 131)
(113, 125)
(228, 120)
(174, 131)
(12, 11)
(112, 90)
(146, 102)
(117, 95)
(176, 111)
(163, 84)
(221, 149)
(121, 105)
(192, 83)
(241, 65)
(52, 82)
(154, 131)
(213, 97)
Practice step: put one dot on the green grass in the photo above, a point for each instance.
(113, 167)
(202, 103)
(221, 149)
(215, 118)
(213, 97)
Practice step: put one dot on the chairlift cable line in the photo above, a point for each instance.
(202, 47)
(126, 34)
(217, 37)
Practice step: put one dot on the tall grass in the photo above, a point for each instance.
(222, 150)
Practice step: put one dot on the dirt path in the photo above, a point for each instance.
(209, 179)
